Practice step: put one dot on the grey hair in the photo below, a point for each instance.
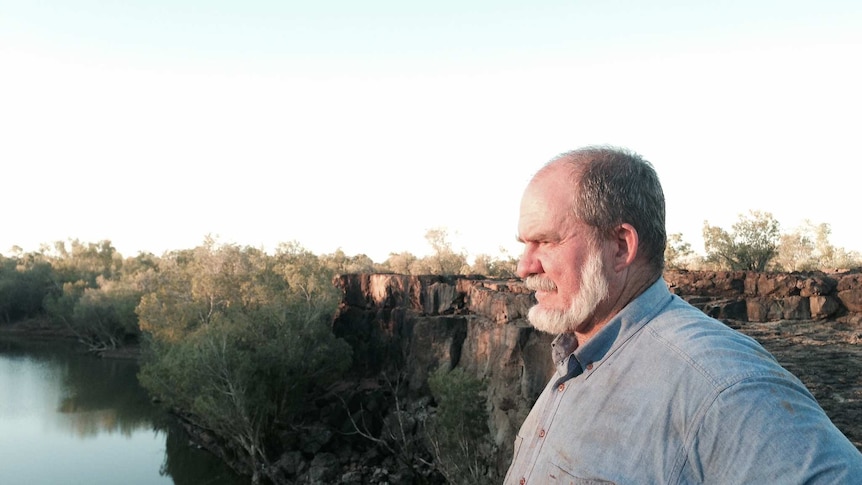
(613, 186)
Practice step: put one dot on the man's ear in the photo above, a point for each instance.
(625, 245)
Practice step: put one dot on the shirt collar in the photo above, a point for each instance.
(617, 331)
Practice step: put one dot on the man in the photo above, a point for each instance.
(648, 389)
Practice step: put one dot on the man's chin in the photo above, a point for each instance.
(549, 320)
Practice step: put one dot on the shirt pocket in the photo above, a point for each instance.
(559, 474)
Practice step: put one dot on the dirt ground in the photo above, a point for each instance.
(827, 357)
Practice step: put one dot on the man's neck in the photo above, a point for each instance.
(636, 285)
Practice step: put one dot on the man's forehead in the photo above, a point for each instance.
(548, 189)
(545, 211)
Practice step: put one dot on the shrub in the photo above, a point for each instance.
(458, 433)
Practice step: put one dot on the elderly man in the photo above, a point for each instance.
(648, 389)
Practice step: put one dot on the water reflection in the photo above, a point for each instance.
(66, 417)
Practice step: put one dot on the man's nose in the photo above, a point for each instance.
(528, 264)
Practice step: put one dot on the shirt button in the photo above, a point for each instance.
(523, 481)
(541, 433)
(590, 366)
(561, 387)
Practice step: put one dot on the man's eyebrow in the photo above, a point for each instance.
(540, 236)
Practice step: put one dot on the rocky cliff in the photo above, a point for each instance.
(416, 324)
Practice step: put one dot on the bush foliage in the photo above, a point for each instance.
(458, 433)
(239, 340)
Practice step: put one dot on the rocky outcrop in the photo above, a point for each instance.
(422, 323)
(417, 324)
(764, 297)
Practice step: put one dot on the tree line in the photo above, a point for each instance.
(108, 300)
(756, 243)
(91, 289)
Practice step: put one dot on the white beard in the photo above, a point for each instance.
(593, 289)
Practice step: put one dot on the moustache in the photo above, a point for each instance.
(539, 283)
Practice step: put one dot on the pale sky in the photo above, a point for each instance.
(361, 125)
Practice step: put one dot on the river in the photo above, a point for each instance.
(67, 417)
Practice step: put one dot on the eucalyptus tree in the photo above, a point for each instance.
(25, 281)
(83, 262)
(808, 248)
(400, 263)
(444, 260)
(678, 253)
(238, 340)
(341, 263)
(104, 317)
(499, 267)
(750, 245)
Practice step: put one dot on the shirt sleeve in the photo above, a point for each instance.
(767, 428)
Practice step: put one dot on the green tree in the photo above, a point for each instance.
(504, 266)
(751, 245)
(75, 269)
(808, 248)
(341, 263)
(168, 311)
(400, 263)
(445, 260)
(60, 305)
(143, 263)
(193, 287)
(104, 318)
(677, 253)
(482, 264)
(843, 259)
(25, 282)
(83, 261)
(458, 432)
(796, 251)
(308, 281)
(238, 340)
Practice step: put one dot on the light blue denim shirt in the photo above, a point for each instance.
(663, 394)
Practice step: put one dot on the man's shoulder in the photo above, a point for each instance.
(718, 352)
(679, 321)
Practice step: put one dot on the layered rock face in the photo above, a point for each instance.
(417, 324)
(764, 297)
(420, 323)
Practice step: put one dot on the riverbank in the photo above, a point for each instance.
(36, 328)
(41, 328)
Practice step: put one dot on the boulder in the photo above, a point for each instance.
(850, 292)
(823, 307)
(817, 285)
(778, 285)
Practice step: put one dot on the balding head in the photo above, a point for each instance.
(612, 186)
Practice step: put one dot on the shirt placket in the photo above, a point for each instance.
(537, 441)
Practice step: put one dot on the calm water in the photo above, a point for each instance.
(70, 418)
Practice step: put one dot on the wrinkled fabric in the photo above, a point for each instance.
(664, 394)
